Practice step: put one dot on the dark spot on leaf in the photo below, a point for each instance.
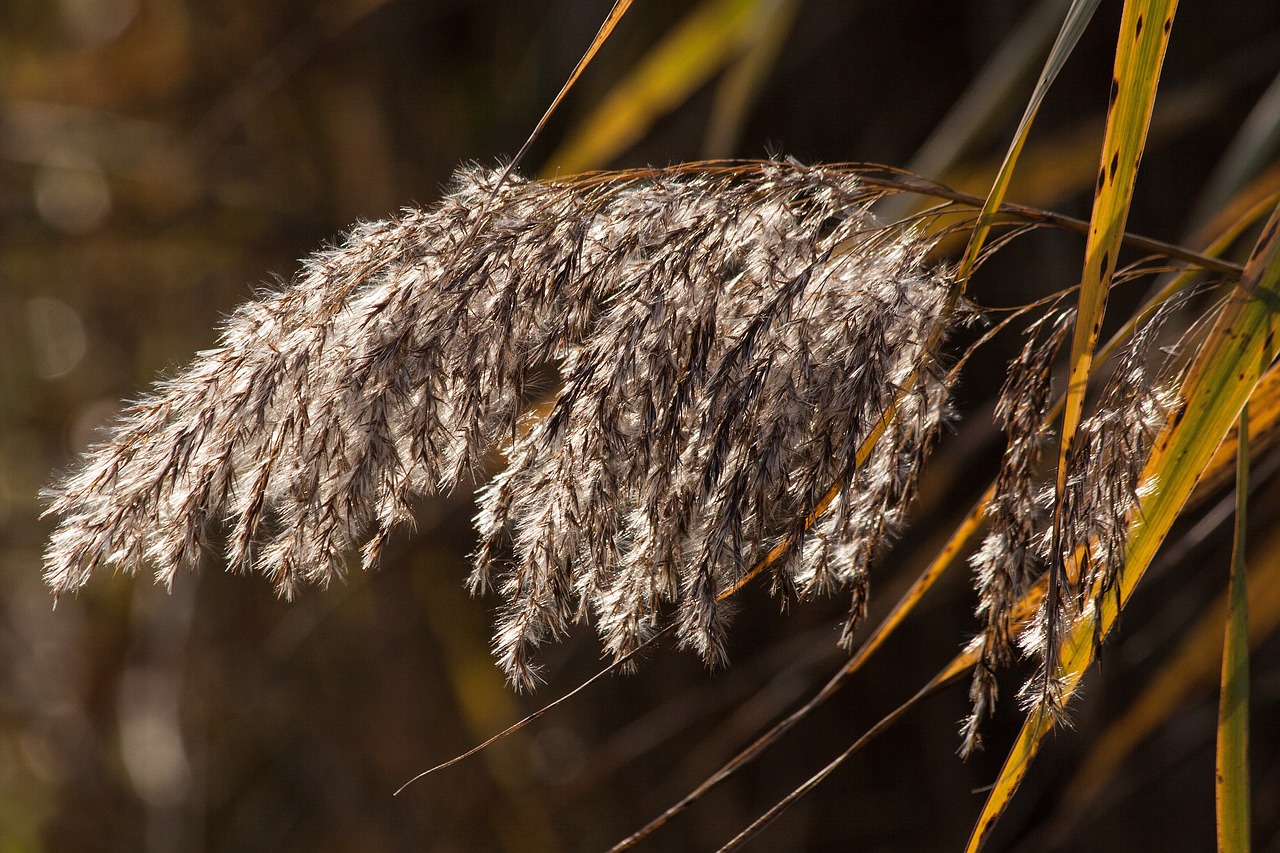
(1269, 234)
(1137, 32)
(1115, 164)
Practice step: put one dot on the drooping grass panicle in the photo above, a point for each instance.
(1103, 493)
(707, 414)
(1104, 489)
(1007, 560)
(725, 341)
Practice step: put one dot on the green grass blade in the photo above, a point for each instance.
(1241, 346)
(1232, 778)
(1072, 27)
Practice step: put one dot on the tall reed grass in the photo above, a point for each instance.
(676, 381)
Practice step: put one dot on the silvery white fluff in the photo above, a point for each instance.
(726, 339)
(1103, 492)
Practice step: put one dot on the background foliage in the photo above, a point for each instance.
(158, 157)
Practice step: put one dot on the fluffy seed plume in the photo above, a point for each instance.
(1100, 502)
(1006, 562)
(725, 338)
(1102, 494)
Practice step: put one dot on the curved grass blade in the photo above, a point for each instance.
(684, 60)
(1232, 779)
(1144, 36)
(1072, 27)
(1264, 432)
(984, 102)
(1241, 346)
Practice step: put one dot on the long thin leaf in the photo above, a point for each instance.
(1232, 778)
(984, 102)
(1241, 346)
(1072, 27)
(1144, 36)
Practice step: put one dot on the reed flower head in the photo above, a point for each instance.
(1102, 494)
(726, 340)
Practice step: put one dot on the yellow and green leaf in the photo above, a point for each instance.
(1232, 778)
(1241, 346)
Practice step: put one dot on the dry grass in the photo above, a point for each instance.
(675, 381)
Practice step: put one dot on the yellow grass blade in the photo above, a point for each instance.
(1144, 36)
(684, 60)
(1232, 778)
(1264, 426)
(1242, 344)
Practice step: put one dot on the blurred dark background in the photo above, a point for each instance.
(161, 158)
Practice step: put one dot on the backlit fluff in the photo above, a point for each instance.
(725, 340)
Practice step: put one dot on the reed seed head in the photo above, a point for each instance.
(726, 341)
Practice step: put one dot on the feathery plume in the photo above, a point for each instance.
(1005, 563)
(1099, 503)
(725, 338)
(1103, 493)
